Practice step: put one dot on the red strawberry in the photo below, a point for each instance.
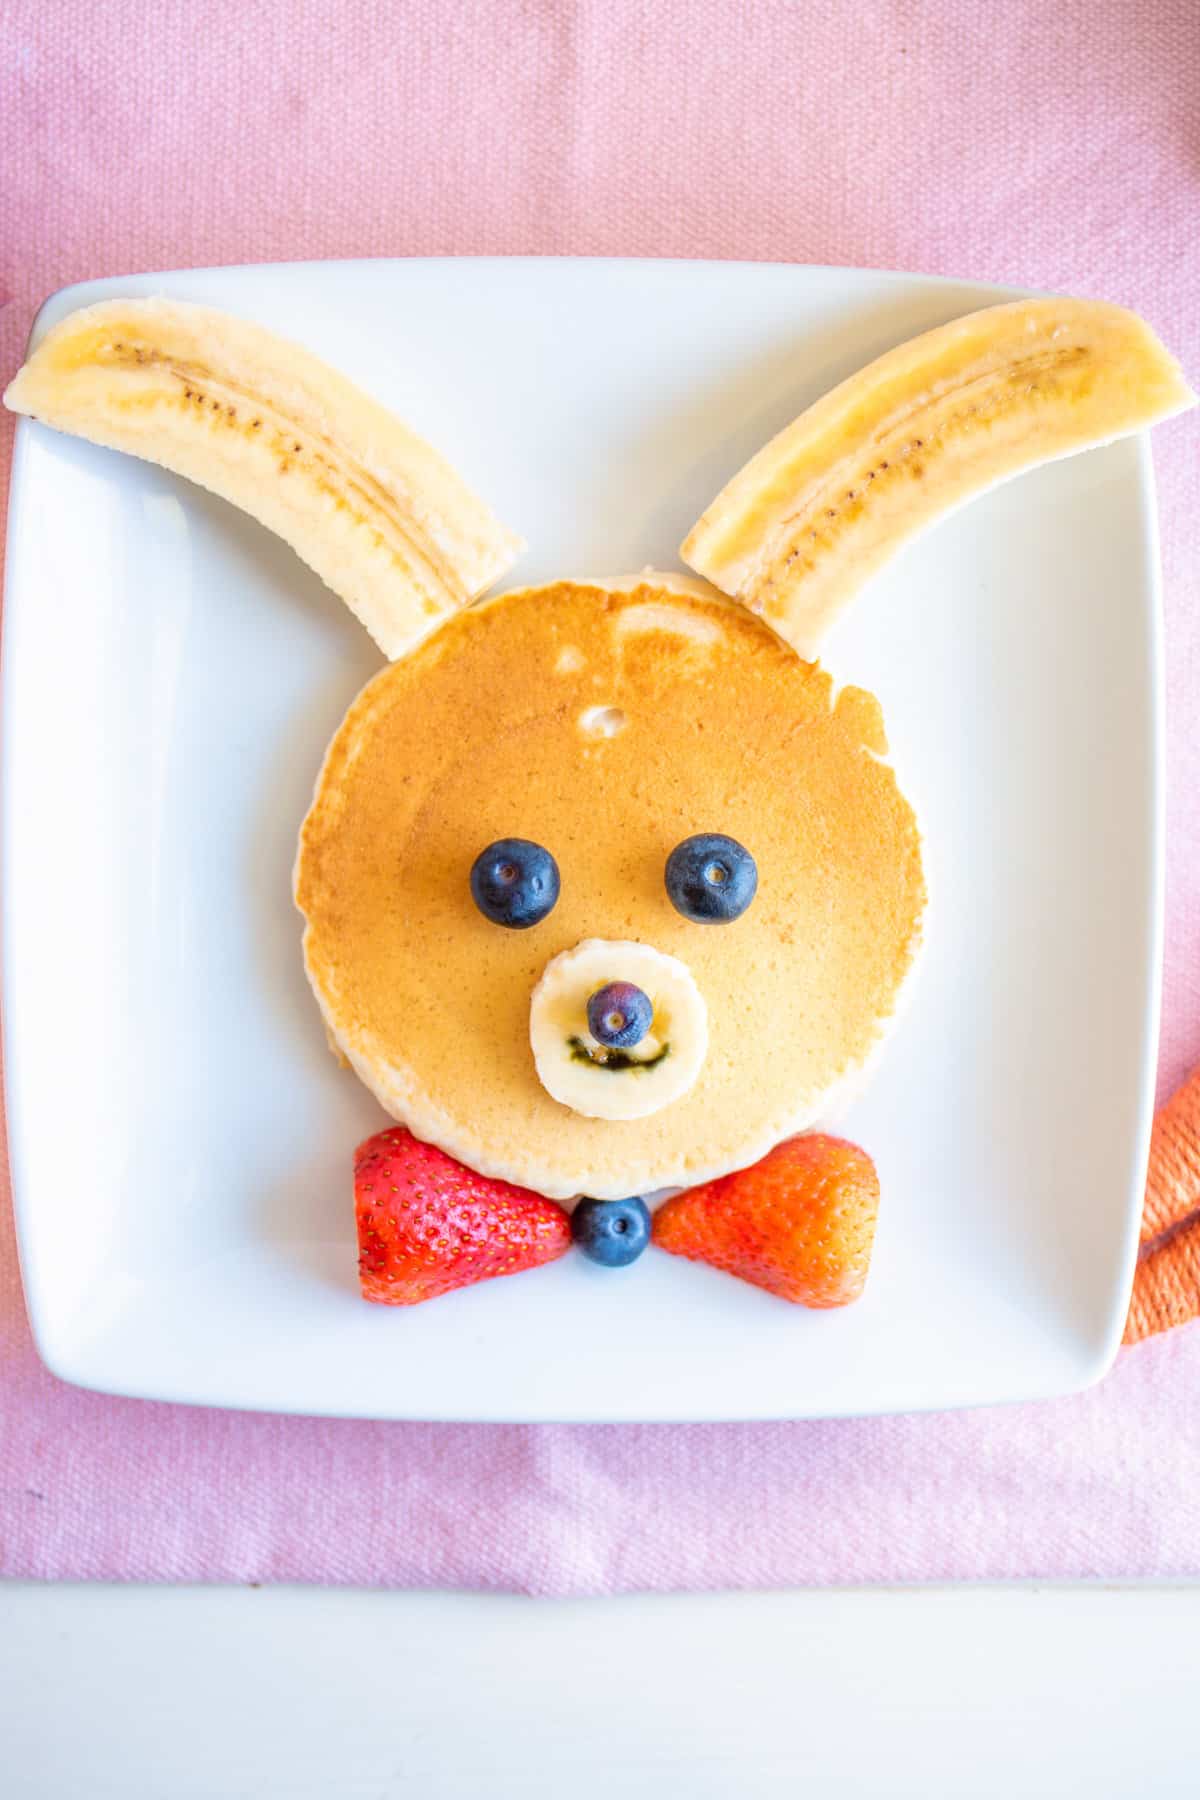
(799, 1223)
(427, 1225)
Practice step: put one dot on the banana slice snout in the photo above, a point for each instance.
(602, 1083)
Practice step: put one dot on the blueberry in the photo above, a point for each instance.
(711, 879)
(611, 1232)
(619, 1015)
(515, 883)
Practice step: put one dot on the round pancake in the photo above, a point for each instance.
(607, 721)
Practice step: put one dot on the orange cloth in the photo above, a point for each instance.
(1166, 1287)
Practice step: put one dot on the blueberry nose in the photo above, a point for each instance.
(619, 1015)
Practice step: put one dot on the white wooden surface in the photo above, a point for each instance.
(204, 1694)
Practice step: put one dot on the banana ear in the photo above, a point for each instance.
(829, 500)
(373, 508)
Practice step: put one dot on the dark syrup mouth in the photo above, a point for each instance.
(613, 1061)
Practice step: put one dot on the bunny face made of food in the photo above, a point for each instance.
(644, 790)
(608, 724)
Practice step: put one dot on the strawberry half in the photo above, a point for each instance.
(800, 1223)
(427, 1225)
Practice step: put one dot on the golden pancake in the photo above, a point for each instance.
(607, 722)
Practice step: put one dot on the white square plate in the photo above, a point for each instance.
(181, 1137)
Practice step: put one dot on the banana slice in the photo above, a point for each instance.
(379, 515)
(613, 1084)
(934, 422)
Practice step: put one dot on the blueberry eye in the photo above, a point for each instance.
(515, 883)
(711, 879)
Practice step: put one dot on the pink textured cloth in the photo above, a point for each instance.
(1057, 146)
